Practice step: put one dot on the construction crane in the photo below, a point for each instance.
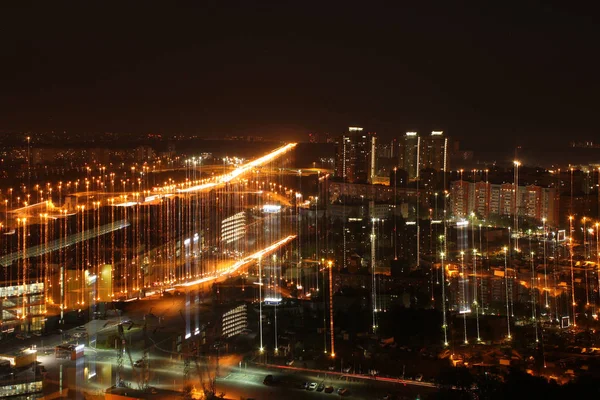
(123, 348)
(145, 359)
(209, 389)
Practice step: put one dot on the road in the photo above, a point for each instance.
(97, 370)
(359, 377)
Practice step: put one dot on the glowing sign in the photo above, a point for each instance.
(271, 208)
(272, 301)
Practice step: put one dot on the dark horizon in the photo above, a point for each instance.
(500, 75)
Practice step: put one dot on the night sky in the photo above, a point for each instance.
(501, 74)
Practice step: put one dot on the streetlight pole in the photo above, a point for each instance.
(597, 258)
(516, 203)
(545, 264)
(506, 288)
(260, 319)
(317, 237)
(445, 325)
(573, 304)
(396, 214)
(331, 309)
(464, 277)
(373, 281)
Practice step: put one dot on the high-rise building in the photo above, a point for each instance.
(434, 153)
(416, 153)
(487, 199)
(461, 199)
(356, 156)
(408, 154)
(345, 158)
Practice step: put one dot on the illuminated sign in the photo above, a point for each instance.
(355, 129)
(411, 133)
(272, 301)
(271, 208)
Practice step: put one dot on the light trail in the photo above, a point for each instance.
(62, 243)
(223, 179)
(241, 263)
(353, 375)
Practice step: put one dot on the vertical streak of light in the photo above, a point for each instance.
(508, 336)
(573, 304)
(465, 305)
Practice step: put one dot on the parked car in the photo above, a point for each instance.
(328, 389)
(320, 387)
(289, 362)
(312, 386)
(342, 391)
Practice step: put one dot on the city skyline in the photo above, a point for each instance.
(299, 200)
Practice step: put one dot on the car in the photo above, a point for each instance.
(347, 369)
(312, 386)
(328, 389)
(304, 385)
(289, 362)
(419, 377)
(342, 391)
(320, 387)
(80, 328)
(332, 368)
